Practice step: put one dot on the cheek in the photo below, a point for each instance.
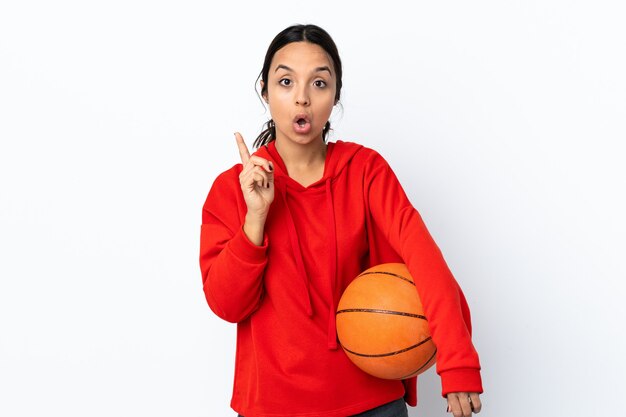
(276, 104)
(279, 99)
(326, 106)
(330, 99)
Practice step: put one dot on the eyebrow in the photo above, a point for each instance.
(318, 69)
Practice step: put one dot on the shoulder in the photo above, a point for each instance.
(362, 155)
(228, 176)
(224, 186)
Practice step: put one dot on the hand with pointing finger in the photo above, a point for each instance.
(257, 180)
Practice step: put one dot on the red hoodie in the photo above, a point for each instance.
(283, 294)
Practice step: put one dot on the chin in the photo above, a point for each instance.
(303, 139)
(306, 139)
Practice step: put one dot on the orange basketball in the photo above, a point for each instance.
(381, 324)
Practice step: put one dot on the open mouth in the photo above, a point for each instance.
(301, 119)
(302, 124)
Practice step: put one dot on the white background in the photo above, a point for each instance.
(504, 121)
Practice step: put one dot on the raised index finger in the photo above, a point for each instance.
(243, 149)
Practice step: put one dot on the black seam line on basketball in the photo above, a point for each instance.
(420, 368)
(374, 310)
(380, 355)
(388, 273)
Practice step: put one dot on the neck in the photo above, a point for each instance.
(301, 156)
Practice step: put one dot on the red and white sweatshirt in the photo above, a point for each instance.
(283, 294)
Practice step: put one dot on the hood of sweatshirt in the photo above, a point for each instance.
(338, 155)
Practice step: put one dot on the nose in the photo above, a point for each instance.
(303, 97)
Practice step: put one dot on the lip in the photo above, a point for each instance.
(304, 129)
(301, 116)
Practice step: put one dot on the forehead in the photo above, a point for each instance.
(301, 57)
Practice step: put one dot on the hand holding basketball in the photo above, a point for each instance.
(463, 403)
(257, 180)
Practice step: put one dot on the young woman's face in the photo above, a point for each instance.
(301, 83)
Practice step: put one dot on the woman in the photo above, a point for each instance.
(283, 234)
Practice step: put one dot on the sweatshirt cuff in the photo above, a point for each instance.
(244, 249)
(461, 380)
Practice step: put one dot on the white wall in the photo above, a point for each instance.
(503, 121)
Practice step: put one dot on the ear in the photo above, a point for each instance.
(264, 96)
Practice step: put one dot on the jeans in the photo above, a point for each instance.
(395, 408)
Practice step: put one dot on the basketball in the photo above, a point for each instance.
(381, 324)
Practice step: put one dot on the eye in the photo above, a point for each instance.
(321, 81)
(284, 79)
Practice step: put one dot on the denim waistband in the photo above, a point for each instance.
(395, 408)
